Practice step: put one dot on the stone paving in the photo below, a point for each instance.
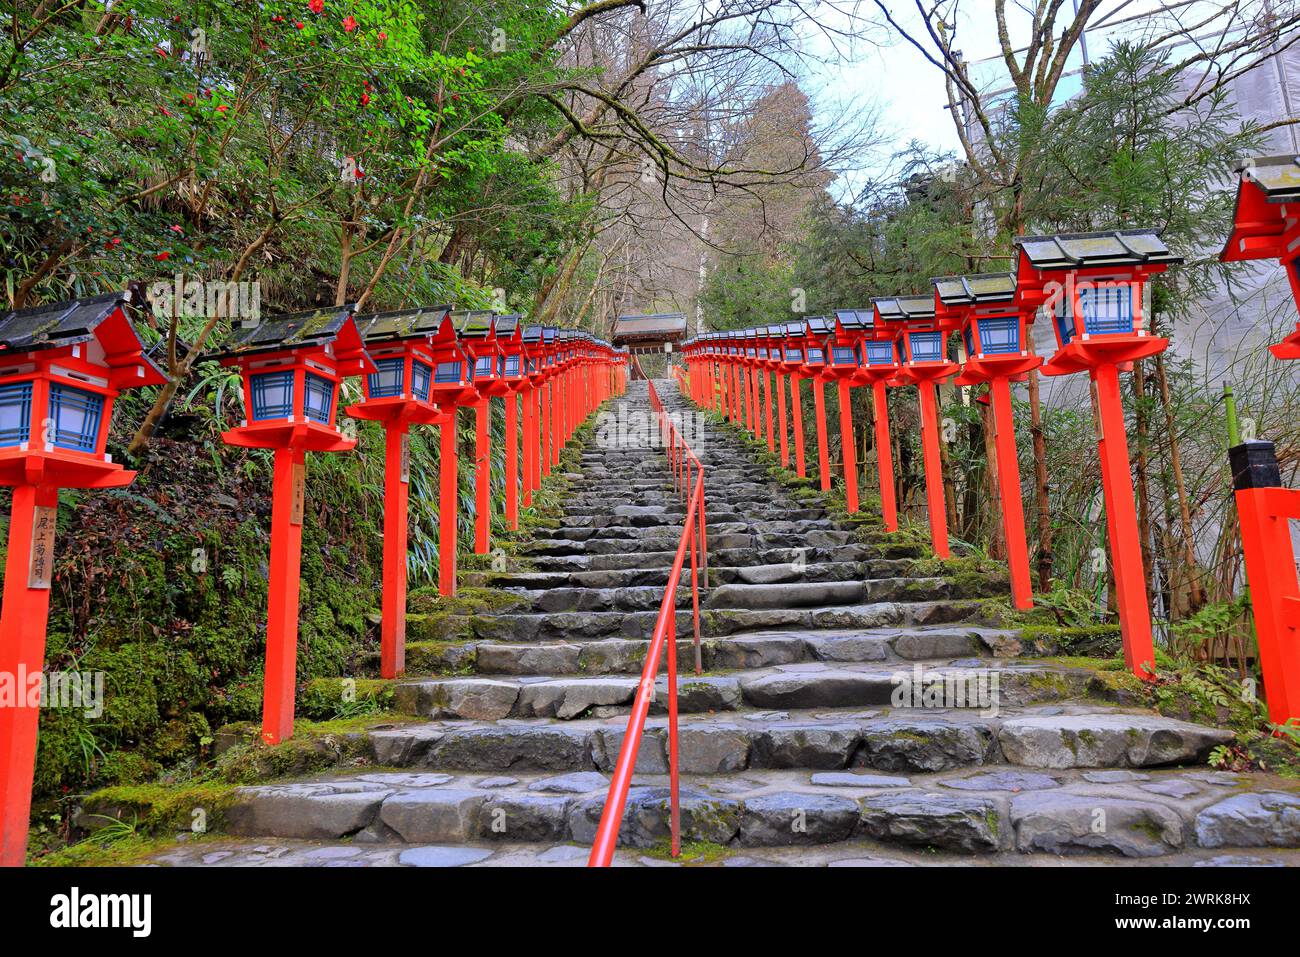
(795, 747)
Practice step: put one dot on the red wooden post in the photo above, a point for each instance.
(512, 460)
(823, 449)
(1013, 509)
(783, 424)
(483, 476)
(1265, 509)
(846, 442)
(22, 658)
(884, 456)
(280, 678)
(767, 408)
(934, 498)
(448, 500)
(796, 412)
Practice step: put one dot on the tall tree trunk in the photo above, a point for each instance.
(1195, 587)
(1142, 435)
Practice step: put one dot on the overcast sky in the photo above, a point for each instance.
(888, 74)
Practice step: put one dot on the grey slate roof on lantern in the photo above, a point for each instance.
(1277, 176)
(550, 333)
(659, 327)
(315, 327)
(402, 323)
(794, 329)
(903, 308)
(818, 325)
(1120, 247)
(59, 323)
(775, 332)
(475, 324)
(975, 290)
(532, 334)
(856, 318)
(507, 325)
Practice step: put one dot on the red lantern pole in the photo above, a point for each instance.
(22, 657)
(796, 410)
(884, 456)
(547, 401)
(483, 476)
(846, 442)
(287, 497)
(934, 498)
(823, 448)
(1126, 548)
(512, 460)
(392, 653)
(767, 408)
(781, 416)
(448, 499)
(1013, 510)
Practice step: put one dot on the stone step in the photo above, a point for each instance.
(754, 650)
(582, 626)
(991, 811)
(818, 684)
(901, 740)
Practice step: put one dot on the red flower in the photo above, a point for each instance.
(365, 98)
(222, 108)
(349, 24)
(176, 229)
(316, 6)
(358, 173)
(161, 256)
(298, 24)
(382, 36)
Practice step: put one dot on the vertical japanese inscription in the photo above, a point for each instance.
(41, 569)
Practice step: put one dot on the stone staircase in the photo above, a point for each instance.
(794, 746)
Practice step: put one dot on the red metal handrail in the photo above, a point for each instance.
(688, 477)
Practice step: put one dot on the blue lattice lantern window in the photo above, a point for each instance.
(925, 345)
(318, 398)
(272, 394)
(998, 335)
(15, 413)
(879, 354)
(75, 417)
(388, 380)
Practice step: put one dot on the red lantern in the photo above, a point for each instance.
(61, 367)
(996, 339)
(1092, 285)
(921, 347)
(1266, 226)
(476, 332)
(399, 393)
(292, 367)
(879, 368)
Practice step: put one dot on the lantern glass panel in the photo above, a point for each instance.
(926, 346)
(1106, 309)
(1064, 317)
(483, 367)
(880, 353)
(968, 340)
(15, 413)
(388, 380)
(318, 398)
(421, 375)
(844, 356)
(448, 372)
(75, 413)
(511, 366)
(272, 395)
(816, 357)
(794, 355)
(999, 335)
